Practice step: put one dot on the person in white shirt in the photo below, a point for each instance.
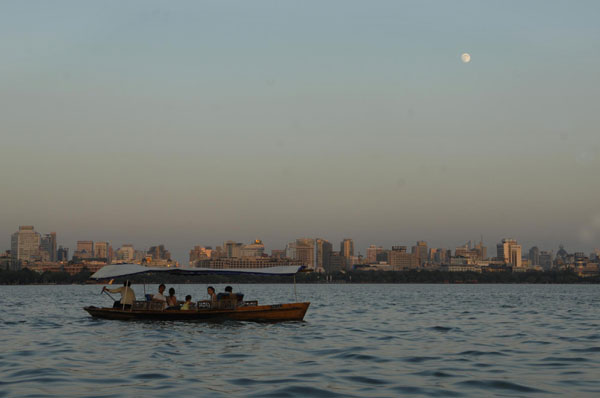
(160, 296)
(127, 295)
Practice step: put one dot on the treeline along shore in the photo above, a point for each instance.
(28, 277)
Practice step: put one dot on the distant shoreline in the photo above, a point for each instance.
(28, 277)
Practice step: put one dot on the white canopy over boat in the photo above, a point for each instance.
(118, 270)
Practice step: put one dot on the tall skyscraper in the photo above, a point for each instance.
(534, 256)
(62, 254)
(347, 248)
(372, 252)
(509, 252)
(48, 247)
(101, 250)
(323, 251)
(420, 251)
(302, 249)
(159, 252)
(24, 245)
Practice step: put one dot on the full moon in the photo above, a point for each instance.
(465, 57)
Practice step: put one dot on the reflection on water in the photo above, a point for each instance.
(357, 340)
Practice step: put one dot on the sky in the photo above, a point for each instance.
(194, 122)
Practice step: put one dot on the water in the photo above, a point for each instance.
(357, 340)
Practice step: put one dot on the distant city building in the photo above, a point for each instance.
(200, 253)
(372, 252)
(509, 252)
(62, 254)
(473, 252)
(245, 262)
(534, 256)
(276, 253)
(400, 259)
(232, 249)
(323, 253)
(6, 261)
(347, 248)
(336, 262)
(85, 250)
(255, 249)
(302, 249)
(48, 251)
(383, 257)
(420, 251)
(159, 253)
(125, 254)
(25, 246)
(101, 250)
(561, 255)
(545, 260)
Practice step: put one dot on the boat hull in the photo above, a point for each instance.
(259, 313)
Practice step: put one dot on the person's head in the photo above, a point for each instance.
(210, 290)
(161, 288)
(188, 298)
(229, 289)
(171, 292)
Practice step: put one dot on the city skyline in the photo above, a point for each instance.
(182, 255)
(205, 121)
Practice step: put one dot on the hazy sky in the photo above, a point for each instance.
(195, 122)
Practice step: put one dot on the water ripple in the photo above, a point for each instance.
(357, 340)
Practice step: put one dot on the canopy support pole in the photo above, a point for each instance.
(295, 294)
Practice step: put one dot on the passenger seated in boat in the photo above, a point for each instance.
(172, 300)
(229, 299)
(188, 301)
(127, 295)
(160, 296)
(213, 296)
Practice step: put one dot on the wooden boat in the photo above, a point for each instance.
(225, 309)
(254, 313)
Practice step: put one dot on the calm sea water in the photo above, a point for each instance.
(356, 340)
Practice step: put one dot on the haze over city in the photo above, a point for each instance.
(199, 122)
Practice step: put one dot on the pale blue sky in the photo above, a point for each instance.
(194, 122)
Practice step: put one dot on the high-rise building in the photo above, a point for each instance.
(420, 251)
(232, 249)
(200, 253)
(48, 247)
(101, 250)
(24, 245)
(400, 259)
(85, 249)
(323, 250)
(302, 249)
(509, 252)
(159, 253)
(62, 254)
(347, 248)
(534, 256)
(546, 260)
(254, 249)
(336, 262)
(372, 252)
(125, 253)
